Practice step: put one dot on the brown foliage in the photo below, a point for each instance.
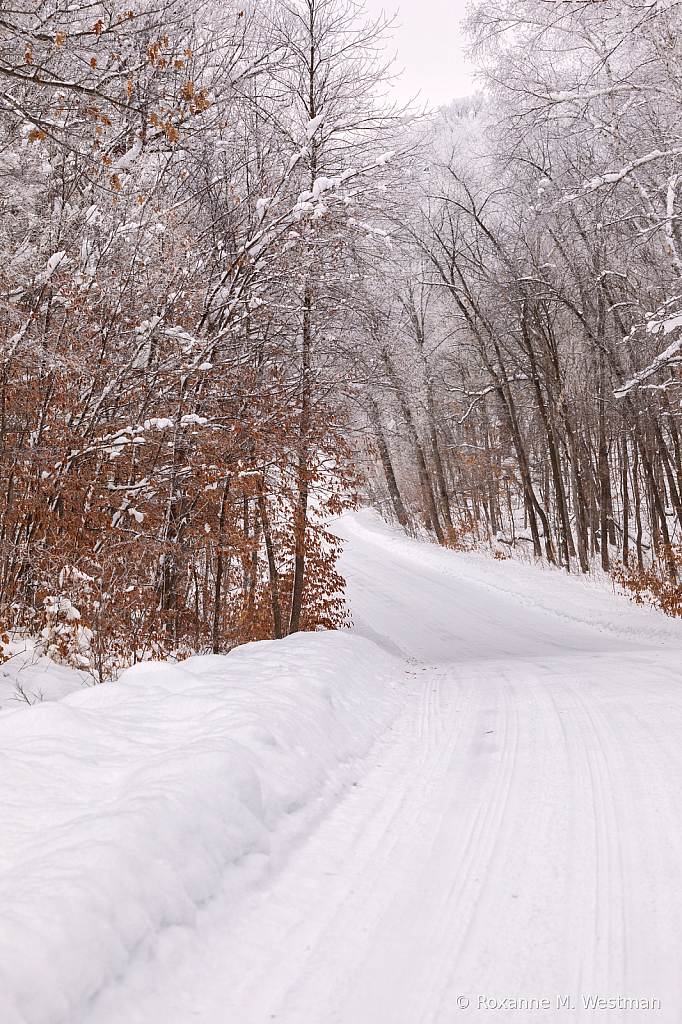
(129, 473)
(659, 584)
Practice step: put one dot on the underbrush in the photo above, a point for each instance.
(660, 584)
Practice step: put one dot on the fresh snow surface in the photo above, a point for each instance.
(475, 796)
(38, 677)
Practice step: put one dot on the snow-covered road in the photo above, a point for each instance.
(478, 819)
(516, 835)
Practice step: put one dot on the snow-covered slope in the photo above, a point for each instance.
(435, 603)
(475, 797)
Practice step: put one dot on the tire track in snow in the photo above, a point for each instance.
(604, 937)
(344, 874)
(450, 870)
(452, 927)
(621, 942)
(365, 914)
(516, 834)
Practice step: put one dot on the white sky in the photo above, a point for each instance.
(428, 43)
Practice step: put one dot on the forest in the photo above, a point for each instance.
(242, 292)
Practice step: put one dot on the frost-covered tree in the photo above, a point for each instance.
(167, 265)
(546, 218)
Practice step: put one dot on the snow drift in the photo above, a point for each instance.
(125, 804)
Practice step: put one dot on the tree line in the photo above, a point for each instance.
(184, 190)
(240, 292)
(525, 385)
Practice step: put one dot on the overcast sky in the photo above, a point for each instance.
(428, 43)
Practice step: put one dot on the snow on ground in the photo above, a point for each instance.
(126, 806)
(471, 802)
(28, 677)
(575, 599)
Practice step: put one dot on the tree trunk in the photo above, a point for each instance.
(272, 566)
(301, 513)
(438, 463)
(217, 596)
(665, 459)
(533, 505)
(626, 499)
(658, 512)
(424, 478)
(385, 456)
(567, 539)
(638, 506)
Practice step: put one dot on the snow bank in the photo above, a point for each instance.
(589, 600)
(38, 677)
(124, 804)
